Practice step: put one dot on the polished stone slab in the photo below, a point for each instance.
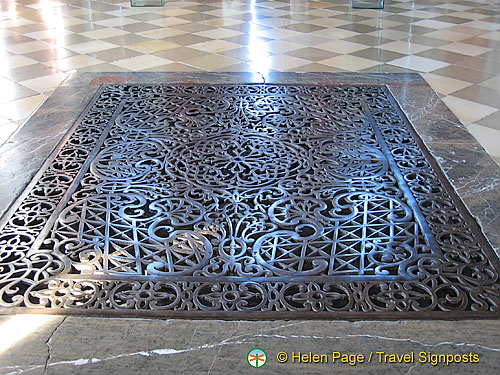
(435, 135)
(79, 345)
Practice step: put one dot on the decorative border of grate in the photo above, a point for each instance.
(457, 278)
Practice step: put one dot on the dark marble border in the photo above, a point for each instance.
(471, 171)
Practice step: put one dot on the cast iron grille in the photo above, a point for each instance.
(237, 199)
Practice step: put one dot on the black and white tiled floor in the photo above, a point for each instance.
(454, 45)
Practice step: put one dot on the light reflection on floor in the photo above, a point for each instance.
(456, 46)
(19, 327)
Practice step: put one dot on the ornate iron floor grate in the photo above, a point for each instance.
(244, 201)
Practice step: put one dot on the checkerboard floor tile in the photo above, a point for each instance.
(455, 45)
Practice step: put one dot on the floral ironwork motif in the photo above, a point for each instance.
(195, 199)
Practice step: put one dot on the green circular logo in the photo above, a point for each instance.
(257, 357)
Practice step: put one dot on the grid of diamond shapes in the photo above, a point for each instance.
(454, 45)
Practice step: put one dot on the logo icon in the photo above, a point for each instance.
(256, 357)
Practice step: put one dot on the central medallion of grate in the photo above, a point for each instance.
(233, 200)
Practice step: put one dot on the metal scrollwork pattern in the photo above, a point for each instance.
(241, 199)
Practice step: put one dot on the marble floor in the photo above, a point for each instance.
(52, 345)
(455, 45)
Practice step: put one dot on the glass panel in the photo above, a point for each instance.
(368, 4)
(147, 3)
